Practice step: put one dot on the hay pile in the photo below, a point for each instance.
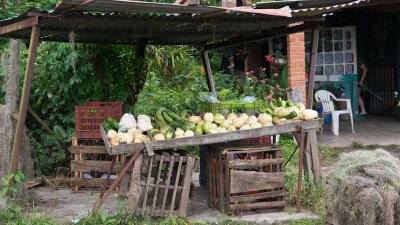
(363, 189)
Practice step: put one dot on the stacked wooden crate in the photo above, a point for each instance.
(244, 176)
(160, 184)
(93, 160)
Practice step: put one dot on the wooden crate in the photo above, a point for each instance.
(91, 157)
(160, 184)
(245, 176)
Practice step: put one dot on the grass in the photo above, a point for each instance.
(312, 195)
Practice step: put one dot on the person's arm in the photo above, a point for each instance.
(364, 70)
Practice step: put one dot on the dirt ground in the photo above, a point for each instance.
(63, 205)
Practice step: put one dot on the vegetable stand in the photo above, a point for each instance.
(121, 22)
(301, 130)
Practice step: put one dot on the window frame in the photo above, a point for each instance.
(353, 49)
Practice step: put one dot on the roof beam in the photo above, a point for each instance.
(19, 25)
(263, 36)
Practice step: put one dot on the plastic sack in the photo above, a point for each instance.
(144, 123)
(127, 122)
(210, 98)
(248, 99)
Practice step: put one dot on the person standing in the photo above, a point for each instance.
(363, 72)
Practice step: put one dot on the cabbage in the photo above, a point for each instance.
(276, 111)
(238, 122)
(159, 137)
(231, 117)
(188, 133)
(207, 127)
(283, 112)
(226, 123)
(255, 125)
(179, 132)
(267, 124)
(209, 117)
(244, 115)
(263, 118)
(144, 123)
(231, 128)
(309, 114)
(251, 119)
(218, 118)
(199, 129)
(300, 106)
(294, 109)
(221, 130)
(214, 126)
(245, 127)
(194, 119)
(111, 134)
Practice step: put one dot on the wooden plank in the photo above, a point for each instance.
(146, 189)
(178, 175)
(161, 186)
(135, 189)
(232, 136)
(19, 25)
(313, 60)
(245, 181)
(160, 165)
(167, 183)
(23, 106)
(254, 197)
(221, 185)
(89, 183)
(241, 164)
(89, 149)
(316, 167)
(92, 165)
(211, 138)
(258, 205)
(207, 66)
(183, 205)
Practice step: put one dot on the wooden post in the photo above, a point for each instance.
(300, 174)
(207, 67)
(313, 59)
(30, 66)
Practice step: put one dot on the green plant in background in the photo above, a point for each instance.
(264, 87)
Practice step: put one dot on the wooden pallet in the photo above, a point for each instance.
(90, 159)
(242, 177)
(160, 184)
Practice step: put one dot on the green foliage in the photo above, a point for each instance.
(52, 151)
(312, 195)
(265, 87)
(8, 183)
(14, 8)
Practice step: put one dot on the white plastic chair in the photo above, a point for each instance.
(325, 97)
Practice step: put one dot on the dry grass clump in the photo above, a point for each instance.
(363, 189)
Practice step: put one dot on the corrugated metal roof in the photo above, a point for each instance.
(307, 8)
(326, 9)
(129, 6)
(118, 21)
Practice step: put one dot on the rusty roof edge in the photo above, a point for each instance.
(328, 9)
(135, 6)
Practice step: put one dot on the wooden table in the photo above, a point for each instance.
(304, 131)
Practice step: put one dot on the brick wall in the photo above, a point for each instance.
(296, 61)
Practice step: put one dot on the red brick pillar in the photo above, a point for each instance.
(296, 61)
